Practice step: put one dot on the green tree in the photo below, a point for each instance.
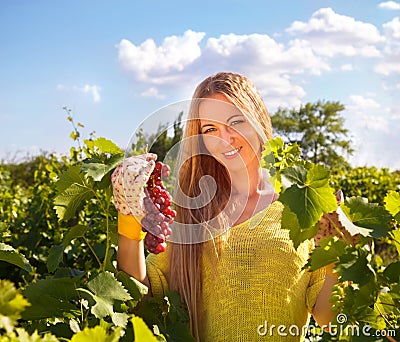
(319, 129)
(161, 143)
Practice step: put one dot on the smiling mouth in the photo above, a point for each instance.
(233, 152)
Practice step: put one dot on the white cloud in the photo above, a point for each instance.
(92, 90)
(374, 133)
(333, 34)
(366, 113)
(347, 67)
(389, 64)
(392, 30)
(390, 5)
(266, 62)
(155, 64)
(152, 92)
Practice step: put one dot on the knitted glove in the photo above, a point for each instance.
(128, 181)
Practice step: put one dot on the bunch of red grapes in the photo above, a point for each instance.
(159, 214)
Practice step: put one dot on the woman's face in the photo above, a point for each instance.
(228, 135)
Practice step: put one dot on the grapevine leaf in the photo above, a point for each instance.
(296, 233)
(98, 334)
(392, 272)
(98, 170)
(328, 251)
(108, 287)
(350, 226)
(12, 303)
(142, 331)
(56, 252)
(396, 239)
(51, 297)
(75, 232)
(23, 335)
(295, 174)
(73, 188)
(373, 318)
(10, 255)
(361, 298)
(104, 145)
(392, 204)
(135, 288)
(367, 215)
(354, 266)
(310, 194)
(55, 257)
(105, 290)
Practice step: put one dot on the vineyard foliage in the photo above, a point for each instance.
(59, 280)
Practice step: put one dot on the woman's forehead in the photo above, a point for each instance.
(217, 109)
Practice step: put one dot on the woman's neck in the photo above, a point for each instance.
(247, 182)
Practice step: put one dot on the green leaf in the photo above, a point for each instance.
(392, 272)
(12, 303)
(51, 297)
(396, 239)
(354, 266)
(10, 255)
(104, 145)
(142, 331)
(296, 233)
(106, 290)
(23, 335)
(296, 174)
(392, 204)
(98, 170)
(55, 257)
(73, 188)
(56, 252)
(105, 285)
(136, 289)
(310, 194)
(98, 334)
(328, 251)
(367, 215)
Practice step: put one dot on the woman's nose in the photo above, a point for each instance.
(227, 134)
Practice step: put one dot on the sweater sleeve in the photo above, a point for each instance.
(157, 272)
(317, 279)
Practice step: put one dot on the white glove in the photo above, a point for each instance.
(128, 181)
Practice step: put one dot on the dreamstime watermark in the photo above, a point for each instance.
(339, 329)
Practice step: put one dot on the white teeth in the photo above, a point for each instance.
(231, 153)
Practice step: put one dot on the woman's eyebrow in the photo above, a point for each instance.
(205, 125)
(227, 120)
(233, 116)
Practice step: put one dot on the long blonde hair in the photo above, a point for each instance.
(186, 258)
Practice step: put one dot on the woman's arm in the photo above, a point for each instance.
(131, 258)
(322, 309)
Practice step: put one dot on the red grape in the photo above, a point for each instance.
(159, 214)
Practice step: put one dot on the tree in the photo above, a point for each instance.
(160, 142)
(319, 129)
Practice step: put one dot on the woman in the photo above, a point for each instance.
(233, 265)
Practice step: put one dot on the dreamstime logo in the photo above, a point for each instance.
(192, 150)
(339, 329)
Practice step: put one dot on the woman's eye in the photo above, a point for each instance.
(209, 130)
(236, 122)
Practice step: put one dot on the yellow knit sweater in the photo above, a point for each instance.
(256, 285)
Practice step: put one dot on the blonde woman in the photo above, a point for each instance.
(233, 265)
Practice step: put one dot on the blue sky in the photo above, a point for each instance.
(113, 63)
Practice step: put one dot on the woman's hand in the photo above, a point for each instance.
(128, 181)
